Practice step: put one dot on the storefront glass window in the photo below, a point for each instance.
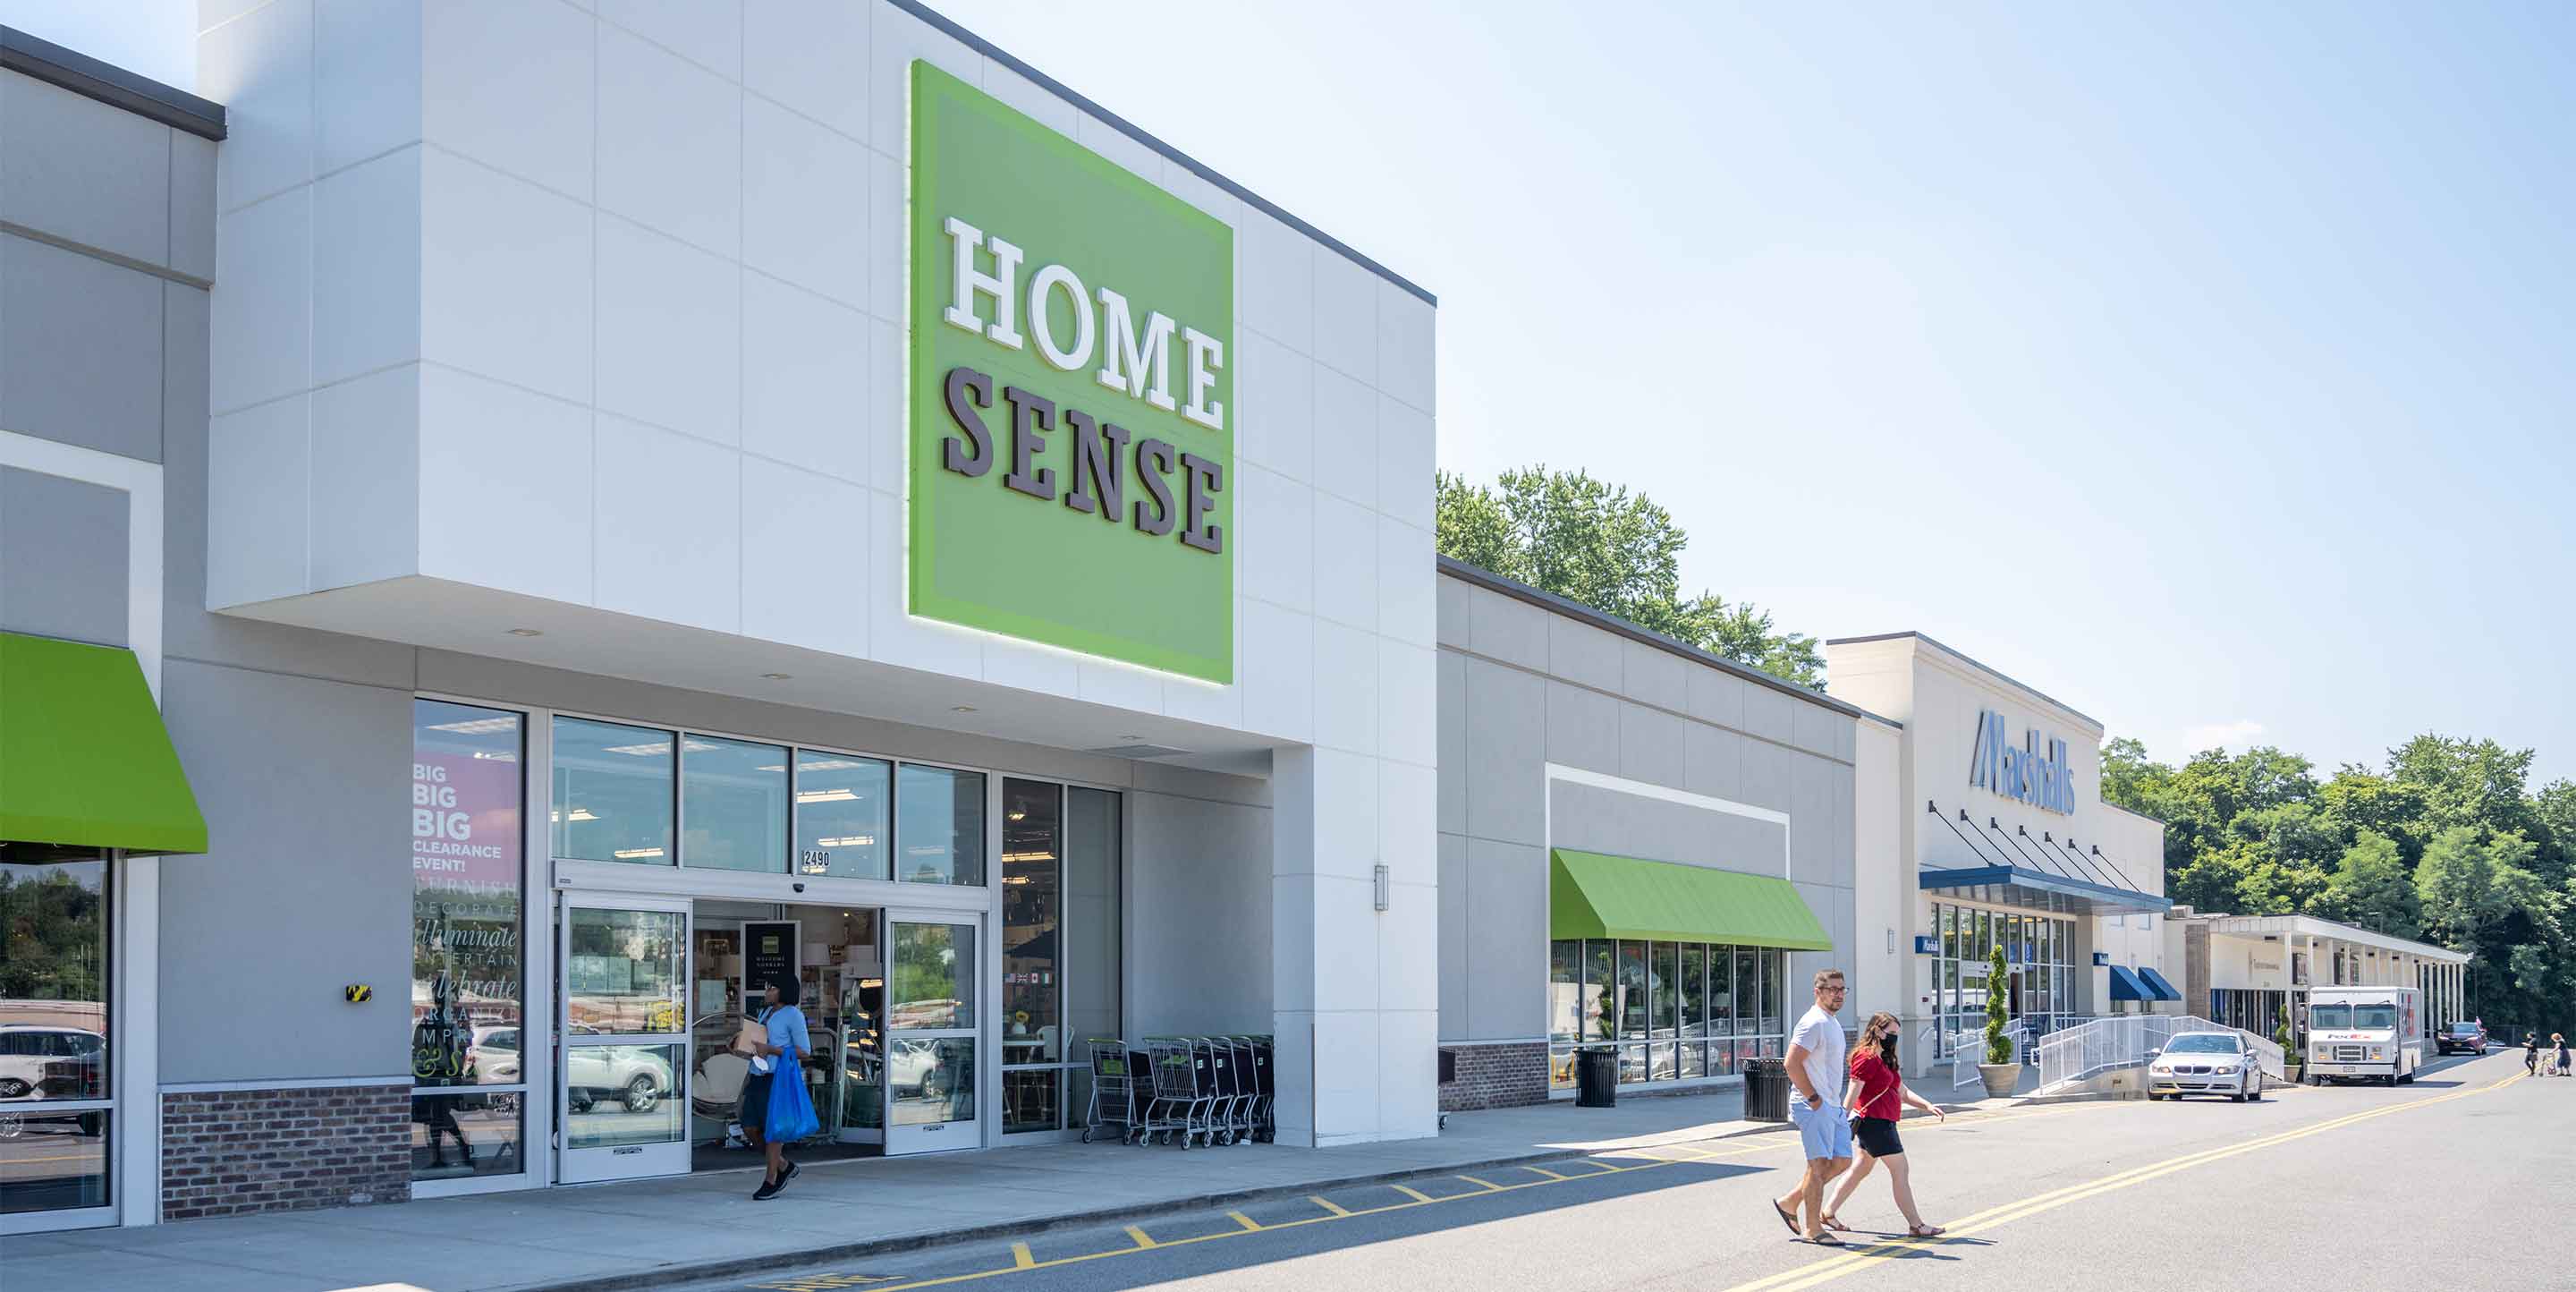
(1091, 854)
(1773, 970)
(1721, 992)
(841, 805)
(1666, 976)
(1632, 992)
(54, 1050)
(468, 972)
(1600, 1008)
(612, 792)
(1564, 991)
(1748, 1004)
(932, 985)
(939, 825)
(1694, 991)
(733, 805)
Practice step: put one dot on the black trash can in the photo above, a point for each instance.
(1766, 1090)
(1596, 1077)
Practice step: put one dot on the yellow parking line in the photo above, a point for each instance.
(1327, 1204)
(1482, 1184)
(1834, 1267)
(1416, 1194)
(1241, 1219)
(1544, 1171)
(1142, 1240)
(1020, 1257)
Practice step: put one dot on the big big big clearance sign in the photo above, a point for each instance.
(1072, 401)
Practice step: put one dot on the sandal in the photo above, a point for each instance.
(1924, 1231)
(1834, 1223)
(1827, 1239)
(1785, 1217)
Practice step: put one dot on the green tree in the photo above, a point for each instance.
(2555, 810)
(1618, 552)
(2359, 799)
(2372, 887)
(2470, 889)
(2477, 784)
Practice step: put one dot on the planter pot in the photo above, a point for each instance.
(2290, 1073)
(2000, 1078)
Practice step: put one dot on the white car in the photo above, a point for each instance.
(2205, 1063)
(50, 1062)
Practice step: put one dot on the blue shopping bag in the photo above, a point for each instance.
(791, 1109)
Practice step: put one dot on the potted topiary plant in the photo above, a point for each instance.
(2289, 1049)
(2000, 1070)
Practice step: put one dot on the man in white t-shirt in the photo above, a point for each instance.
(1816, 1053)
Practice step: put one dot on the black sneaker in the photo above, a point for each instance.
(789, 1174)
(765, 1192)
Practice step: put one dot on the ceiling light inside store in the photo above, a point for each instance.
(828, 764)
(478, 726)
(848, 841)
(778, 677)
(578, 814)
(824, 796)
(961, 708)
(496, 755)
(630, 854)
(640, 751)
(527, 632)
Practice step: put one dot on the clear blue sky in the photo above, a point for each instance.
(2207, 367)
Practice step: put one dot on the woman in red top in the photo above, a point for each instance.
(1877, 1098)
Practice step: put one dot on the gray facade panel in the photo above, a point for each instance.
(1582, 728)
(1766, 775)
(1503, 774)
(1629, 825)
(1198, 924)
(1717, 697)
(187, 631)
(1455, 616)
(1579, 652)
(1512, 631)
(1812, 728)
(83, 171)
(1769, 714)
(1456, 930)
(80, 350)
(1656, 676)
(63, 546)
(306, 886)
(1451, 814)
(1713, 761)
(1651, 745)
(1507, 945)
(1811, 807)
(192, 205)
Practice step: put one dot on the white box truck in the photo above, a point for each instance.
(2366, 1034)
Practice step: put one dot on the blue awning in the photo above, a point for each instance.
(2125, 985)
(2036, 890)
(2156, 982)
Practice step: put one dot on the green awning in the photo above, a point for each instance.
(84, 759)
(1595, 895)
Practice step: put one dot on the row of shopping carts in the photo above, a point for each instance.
(1181, 1090)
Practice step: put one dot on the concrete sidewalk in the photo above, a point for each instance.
(701, 1226)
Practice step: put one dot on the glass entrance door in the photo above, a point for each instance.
(932, 1016)
(623, 1070)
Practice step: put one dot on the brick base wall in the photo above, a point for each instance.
(232, 1152)
(1496, 1076)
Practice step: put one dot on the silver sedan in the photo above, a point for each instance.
(2205, 1063)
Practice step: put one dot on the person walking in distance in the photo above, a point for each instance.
(1824, 1133)
(1878, 1099)
(778, 1058)
(2531, 1051)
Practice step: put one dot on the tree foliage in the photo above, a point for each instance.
(1596, 543)
(2445, 842)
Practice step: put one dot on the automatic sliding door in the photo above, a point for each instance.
(932, 1013)
(625, 1038)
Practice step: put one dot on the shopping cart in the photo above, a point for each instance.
(1114, 1094)
(1178, 1112)
(1264, 1095)
(1225, 1087)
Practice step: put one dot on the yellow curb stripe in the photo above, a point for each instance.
(1241, 1219)
(1544, 1171)
(1020, 1257)
(1142, 1239)
(1486, 1185)
(1416, 1194)
(1328, 1204)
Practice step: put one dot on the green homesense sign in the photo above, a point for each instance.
(1072, 400)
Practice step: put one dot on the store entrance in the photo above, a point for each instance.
(835, 955)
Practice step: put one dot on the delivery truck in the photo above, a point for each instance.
(2366, 1034)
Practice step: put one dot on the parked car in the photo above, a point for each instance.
(50, 1062)
(635, 1075)
(493, 1059)
(2461, 1038)
(2205, 1063)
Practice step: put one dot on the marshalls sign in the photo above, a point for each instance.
(1072, 394)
